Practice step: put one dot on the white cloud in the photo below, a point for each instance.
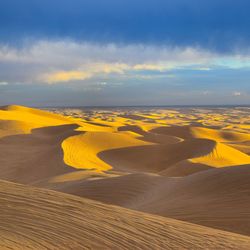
(237, 93)
(65, 61)
(3, 83)
(203, 69)
(88, 71)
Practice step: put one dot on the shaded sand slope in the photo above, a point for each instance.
(186, 132)
(44, 143)
(34, 218)
(231, 137)
(150, 136)
(175, 159)
(32, 157)
(124, 190)
(156, 158)
(217, 198)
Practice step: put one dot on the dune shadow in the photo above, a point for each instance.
(28, 158)
(158, 158)
(183, 132)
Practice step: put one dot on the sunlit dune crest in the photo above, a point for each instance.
(87, 145)
(128, 173)
(25, 119)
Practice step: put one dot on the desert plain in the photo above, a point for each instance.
(125, 178)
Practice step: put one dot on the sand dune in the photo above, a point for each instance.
(187, 164)
(149, 136)
(219, 135)
(40, 219)
(87, 145)
(128, 188)
(24, 119)
(32, 157)
(223, 156)
(243, 147)
(186, 132)
(158, 158)
(218, 198)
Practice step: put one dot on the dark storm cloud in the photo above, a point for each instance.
(221, 25)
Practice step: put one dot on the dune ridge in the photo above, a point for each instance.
(87, 146)
(204, 153)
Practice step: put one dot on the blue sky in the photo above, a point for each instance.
(117, 52)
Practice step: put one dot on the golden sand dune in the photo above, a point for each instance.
(186, 132)
(158, 158)
(24, 119)
(150, 136)
(223, 156)
(243, 147)
(219, 135)
(187, 164)
(34, 218)
(87, 145)
(27, 158)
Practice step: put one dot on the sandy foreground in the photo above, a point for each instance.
(124, 178)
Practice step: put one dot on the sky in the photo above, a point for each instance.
(124, 52)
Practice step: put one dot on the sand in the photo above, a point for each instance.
(42, 219)
(134, 178)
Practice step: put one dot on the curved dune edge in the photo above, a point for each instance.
(16, 119)
(23, 119)
(223, 156)
(189, 131)
(28, 158)
(177, 159)
(34, 218)
(87, 146)
(156, 158)
(94, 140)
(32, 157)
(220, 136)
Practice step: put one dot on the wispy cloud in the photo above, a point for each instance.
(64, 76)
(97, 69)
(66, 61)
(203, 69)
(152, 67)
(87, 72)
(3, 83)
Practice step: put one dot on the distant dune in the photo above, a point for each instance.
(161, 164)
